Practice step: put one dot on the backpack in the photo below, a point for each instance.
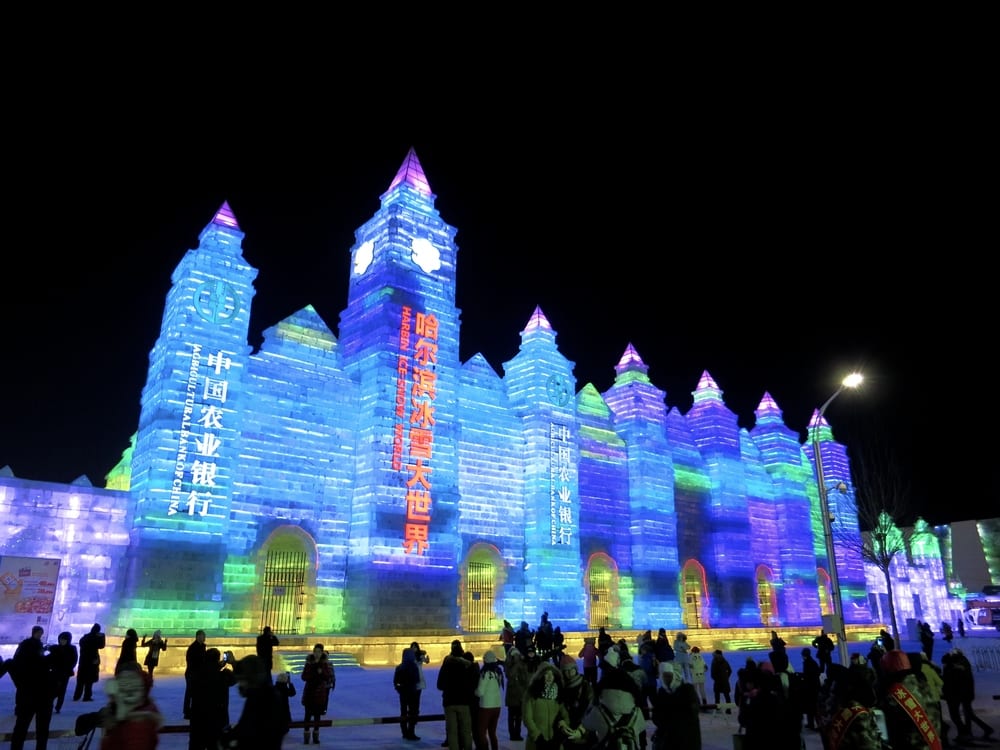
(619, 735)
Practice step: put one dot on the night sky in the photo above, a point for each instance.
(777, 253)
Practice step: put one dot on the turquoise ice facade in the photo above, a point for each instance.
(371, 482)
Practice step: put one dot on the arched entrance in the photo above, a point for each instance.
(601, 581)
(286, 577)
(825, 592)
(481, 581)
(694, 596)
(767, 602)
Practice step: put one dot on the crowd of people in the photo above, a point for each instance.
(130, 718)
(648, 695)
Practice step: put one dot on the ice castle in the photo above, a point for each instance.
(371, 482)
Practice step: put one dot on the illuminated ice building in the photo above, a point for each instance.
(371, 482)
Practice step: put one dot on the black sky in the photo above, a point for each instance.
(777, 244)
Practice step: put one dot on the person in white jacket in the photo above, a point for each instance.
(490, 694)
(682, 656)
(699, 668)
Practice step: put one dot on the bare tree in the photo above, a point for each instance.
(883, 506)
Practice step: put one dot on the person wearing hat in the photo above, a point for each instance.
(131, 720)
(518, 678)
(578, 696)
(618, 695)
(904, 703)
(490, 694)
(675, 712)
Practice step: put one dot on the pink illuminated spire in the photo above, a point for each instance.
(817, 421)
(225, 217)
(537, 321)
(768, 407)
(707, 382)
(412, 175)
(631, 361)
(707, 389)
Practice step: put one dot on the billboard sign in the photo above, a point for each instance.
(27, 595)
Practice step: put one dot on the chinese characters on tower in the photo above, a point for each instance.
(560, 495)
(416, 370)
(205, 394)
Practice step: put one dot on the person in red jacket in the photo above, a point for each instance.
(132, 720)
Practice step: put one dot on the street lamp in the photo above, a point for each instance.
(851, 381)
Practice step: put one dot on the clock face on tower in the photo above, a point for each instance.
(363, 257)
(559, 389)
(425, 255)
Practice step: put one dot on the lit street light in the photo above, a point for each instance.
(851, 381)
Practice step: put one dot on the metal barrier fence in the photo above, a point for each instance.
(985, 659)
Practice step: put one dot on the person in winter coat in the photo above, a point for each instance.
(590, 656)
(31, 669)
(648, 665)
(544, 636)
(518, 678)
(406, 681)
(772, 720)
(131, 720)
(127, 654)
(721, 674)
(506, 637)
(285, 689)
(544, 710)
(154, 647)
(524, 637)
(811, 681)
(454, 680)
(264, 646)
(320, 679)
(698, 671)
(959, 690)
(620, 696)
(675, 713)
(89, 667)
(578, 697)
(422, 659)
(903, 701)
(682, 655)
(64, 659)
(262, 724)
(662, 648)
(846, 720)
(490, 693)
(604, 641)
(209, 712)
(824, 650)
(926, 639)
(933, 684)
(194, 658)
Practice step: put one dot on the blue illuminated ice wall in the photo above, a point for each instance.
(390, 466)
(399, 339)
(779, 510)
(187, 443)
(639, 414)
(837, 470)
(541, 388)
